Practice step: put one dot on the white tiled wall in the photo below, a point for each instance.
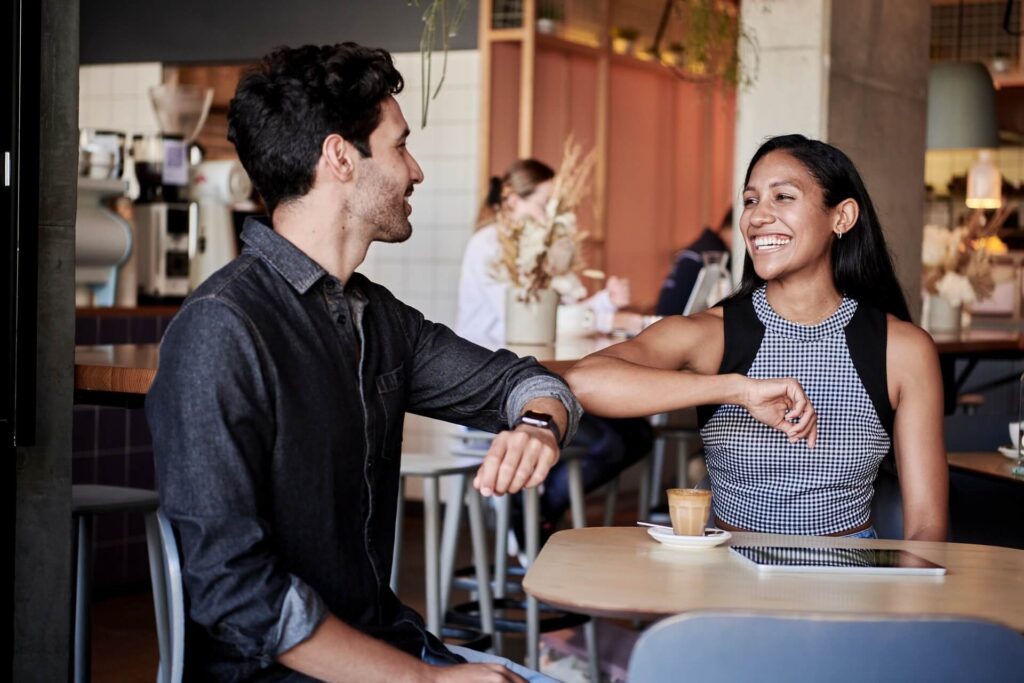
(116, 97)
(424, 271)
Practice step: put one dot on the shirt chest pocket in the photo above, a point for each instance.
(391, 398)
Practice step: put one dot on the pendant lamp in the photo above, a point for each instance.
(962, 115)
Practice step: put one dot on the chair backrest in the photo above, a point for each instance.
(715, 646)
(175, 608)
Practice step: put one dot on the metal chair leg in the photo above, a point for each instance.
(83, 595)
(576, 494)
(611, 497)
(158, 579)
(479, 536)
(644, 494)
(396, 556)
(431, 512)
(590, 633)
(532, 524)
(450, 535)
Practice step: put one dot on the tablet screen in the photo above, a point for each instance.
(871, 560)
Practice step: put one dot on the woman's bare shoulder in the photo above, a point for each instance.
(906, 337)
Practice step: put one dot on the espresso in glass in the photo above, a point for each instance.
(689, 509)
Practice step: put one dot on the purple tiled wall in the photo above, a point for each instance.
(113, 446)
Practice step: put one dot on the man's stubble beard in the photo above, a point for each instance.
(383, 206)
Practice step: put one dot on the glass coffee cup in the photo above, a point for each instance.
(689, 510)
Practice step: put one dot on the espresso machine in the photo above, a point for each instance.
(166, 221)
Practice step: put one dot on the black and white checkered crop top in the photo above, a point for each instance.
(761, 481)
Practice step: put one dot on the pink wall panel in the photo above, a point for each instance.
(504, 132)
(641, 179)
(689, 151)
(723, 135)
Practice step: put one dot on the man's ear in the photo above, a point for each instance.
(336, 155)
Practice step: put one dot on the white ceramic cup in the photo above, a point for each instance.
(1014, 434)
(575, 320)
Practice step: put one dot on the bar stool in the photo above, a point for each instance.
(684, 437)
(88, 500)
(473, 443)
(430, 468)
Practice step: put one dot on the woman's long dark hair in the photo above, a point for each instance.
(861, 265)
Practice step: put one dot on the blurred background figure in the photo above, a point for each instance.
(675, 292)
(612, 444)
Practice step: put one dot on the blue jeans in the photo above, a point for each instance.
(474, 657)
(865, 533)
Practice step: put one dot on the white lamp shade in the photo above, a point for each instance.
(961, 107)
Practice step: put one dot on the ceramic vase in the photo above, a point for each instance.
(530, 320)
(942, 316)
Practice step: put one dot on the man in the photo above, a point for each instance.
(675, 291)
(278, 406)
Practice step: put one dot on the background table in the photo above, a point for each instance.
(622, 572)
(987, 464)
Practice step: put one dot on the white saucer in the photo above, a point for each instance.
(1009, 451)
(712, 538)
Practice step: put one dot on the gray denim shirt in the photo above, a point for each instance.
(277, 418)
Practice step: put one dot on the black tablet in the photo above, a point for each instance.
(857, 560)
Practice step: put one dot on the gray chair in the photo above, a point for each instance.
(87, 501)
(169, 605)
(715, 646)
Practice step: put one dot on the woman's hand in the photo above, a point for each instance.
(782, 404)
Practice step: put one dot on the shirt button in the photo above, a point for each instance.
(330, 284)
(341, 318)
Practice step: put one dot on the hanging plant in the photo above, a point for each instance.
(709, 48)
(440, 24)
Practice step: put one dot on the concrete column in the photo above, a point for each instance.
(42, 524)
(854, 74)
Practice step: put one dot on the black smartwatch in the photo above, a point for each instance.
(540, 420)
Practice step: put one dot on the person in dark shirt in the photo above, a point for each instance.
(278, 406)
(675, 291)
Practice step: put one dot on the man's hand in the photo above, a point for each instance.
(517, 459)
(783, 405)
(471, 673)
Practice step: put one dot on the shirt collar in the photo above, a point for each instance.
(292, 263)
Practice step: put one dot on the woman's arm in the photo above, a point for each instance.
(915, 389)
(673, 364)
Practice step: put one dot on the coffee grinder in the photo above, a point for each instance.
(167, 223)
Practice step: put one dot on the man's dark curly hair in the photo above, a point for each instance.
(296, 97)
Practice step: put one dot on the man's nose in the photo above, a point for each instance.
(416, 177)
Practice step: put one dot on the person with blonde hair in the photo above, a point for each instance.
(612, 444)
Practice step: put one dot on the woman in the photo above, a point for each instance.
(612, 444)
(522, 192)
(809, 374)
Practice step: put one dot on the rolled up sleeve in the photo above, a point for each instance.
(456, 380)
(210, 410)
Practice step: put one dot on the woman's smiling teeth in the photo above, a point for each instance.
(770, 242)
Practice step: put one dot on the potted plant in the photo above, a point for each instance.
(540, 258)
(624, 39)
(549, 16)
(956, 268)
(673, 54)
